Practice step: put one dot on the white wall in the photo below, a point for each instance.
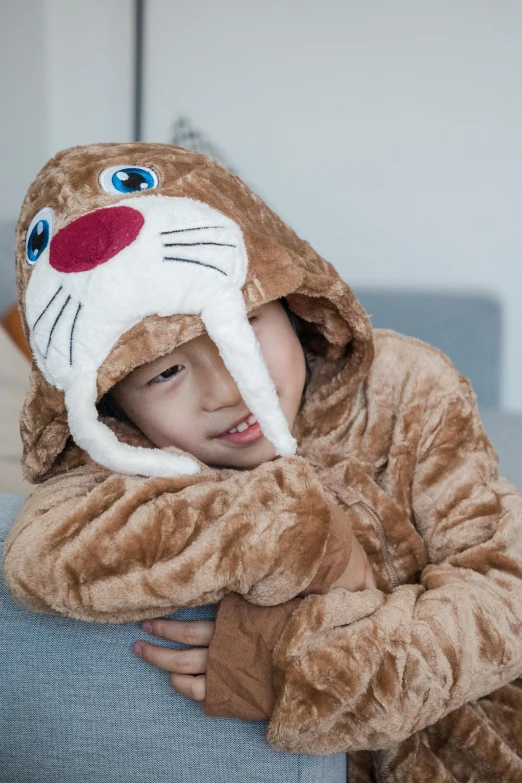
(67, 78)
(90, 58)
(388, 134)
(24, 111)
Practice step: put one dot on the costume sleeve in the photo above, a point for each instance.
(107, 547)
(239, 664)
(365, 670)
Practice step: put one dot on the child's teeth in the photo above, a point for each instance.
(244, 424)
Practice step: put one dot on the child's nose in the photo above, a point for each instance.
(95, 238)
(220, 389)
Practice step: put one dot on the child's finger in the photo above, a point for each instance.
(195, 632)
(192, 661)
(194, 688)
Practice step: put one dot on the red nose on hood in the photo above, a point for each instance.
(94, 238)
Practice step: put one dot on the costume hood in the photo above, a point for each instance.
(124, 252)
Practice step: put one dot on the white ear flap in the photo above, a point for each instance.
(226, 321)
(105, 448)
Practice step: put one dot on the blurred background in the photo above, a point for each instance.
(387, 134)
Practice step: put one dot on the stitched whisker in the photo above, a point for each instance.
(197, 228)
(195, 244)
(49, 303)
(191, 261)
(56, 321)
(72, 331)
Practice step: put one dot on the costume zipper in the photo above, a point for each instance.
(377, 524)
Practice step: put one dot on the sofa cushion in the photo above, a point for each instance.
(77, 705)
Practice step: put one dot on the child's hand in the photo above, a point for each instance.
(188, 667)
(182, 664)
(358, 574)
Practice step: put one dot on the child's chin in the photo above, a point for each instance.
(255, 459)
(248, 458)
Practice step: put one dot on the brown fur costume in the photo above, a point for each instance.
(416, 679)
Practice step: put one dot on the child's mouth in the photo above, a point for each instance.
(250, 434)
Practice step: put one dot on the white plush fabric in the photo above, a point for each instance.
(187, 258)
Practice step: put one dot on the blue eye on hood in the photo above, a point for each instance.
(39, 235)
(128, 179)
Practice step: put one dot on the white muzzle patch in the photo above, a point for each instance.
(187, 258)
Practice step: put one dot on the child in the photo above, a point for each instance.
(160, 507)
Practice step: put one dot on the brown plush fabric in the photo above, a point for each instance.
(239, 683)
(415, 679)
(100, 546)
(417, 673)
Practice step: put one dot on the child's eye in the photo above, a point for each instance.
(252, 318)
(167, 374)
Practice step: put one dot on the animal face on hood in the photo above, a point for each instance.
(124, 252)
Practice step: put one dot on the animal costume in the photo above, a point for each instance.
(417, 679)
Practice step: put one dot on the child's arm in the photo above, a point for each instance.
(188, 668)
(366, 670)
(106, 547)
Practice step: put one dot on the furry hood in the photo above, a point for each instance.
(98, 300)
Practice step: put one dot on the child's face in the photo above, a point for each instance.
(188, 398)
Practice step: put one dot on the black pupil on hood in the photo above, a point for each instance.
(37, 241)
(135, 181)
